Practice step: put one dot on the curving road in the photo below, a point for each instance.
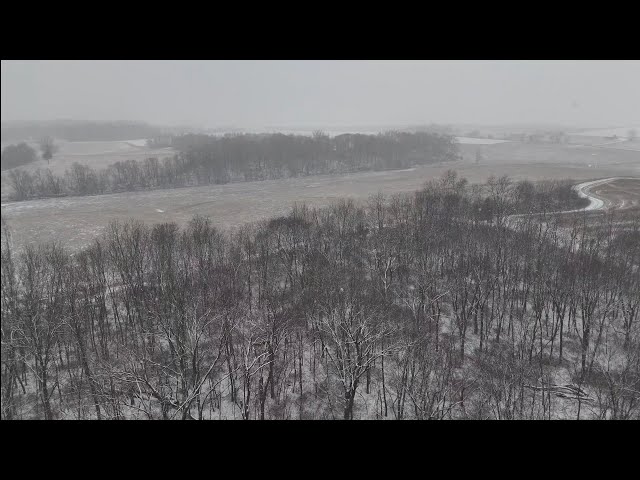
(617, 197)
(595, 203)
(615, 193)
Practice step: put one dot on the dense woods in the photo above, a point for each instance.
(258, 157)
(435, 305)
(206, 160)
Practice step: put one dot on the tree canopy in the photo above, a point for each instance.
(17, 155)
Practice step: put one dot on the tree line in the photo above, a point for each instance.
(417, 306)
(206, 160)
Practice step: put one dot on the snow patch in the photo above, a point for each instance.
(142, 142)
(479, 141)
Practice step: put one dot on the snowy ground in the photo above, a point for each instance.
(479, 141)
(606, 132)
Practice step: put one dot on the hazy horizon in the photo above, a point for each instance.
(265, 93)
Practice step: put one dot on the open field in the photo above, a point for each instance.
(626, 145)
(478, 141)
(606, 132)
(75, 221)
(597, 159)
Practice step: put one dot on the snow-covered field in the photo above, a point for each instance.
(77, 220)
(141, 142)
(606, 132)
(479, 141)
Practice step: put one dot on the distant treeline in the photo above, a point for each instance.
(260, 157)
(206, 160)
(79, 131)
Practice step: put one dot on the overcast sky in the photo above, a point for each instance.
(289, 93)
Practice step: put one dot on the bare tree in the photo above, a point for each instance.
(48, 148)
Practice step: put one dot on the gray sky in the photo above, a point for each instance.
(262, 93)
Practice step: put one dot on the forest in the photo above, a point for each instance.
(206, 160)
(431, 305)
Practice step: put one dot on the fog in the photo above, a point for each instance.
(326, 93)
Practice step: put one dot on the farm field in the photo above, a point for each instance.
(605, 132)
(626, 145)
(583, 157)
(76, 221)
(479, 141)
